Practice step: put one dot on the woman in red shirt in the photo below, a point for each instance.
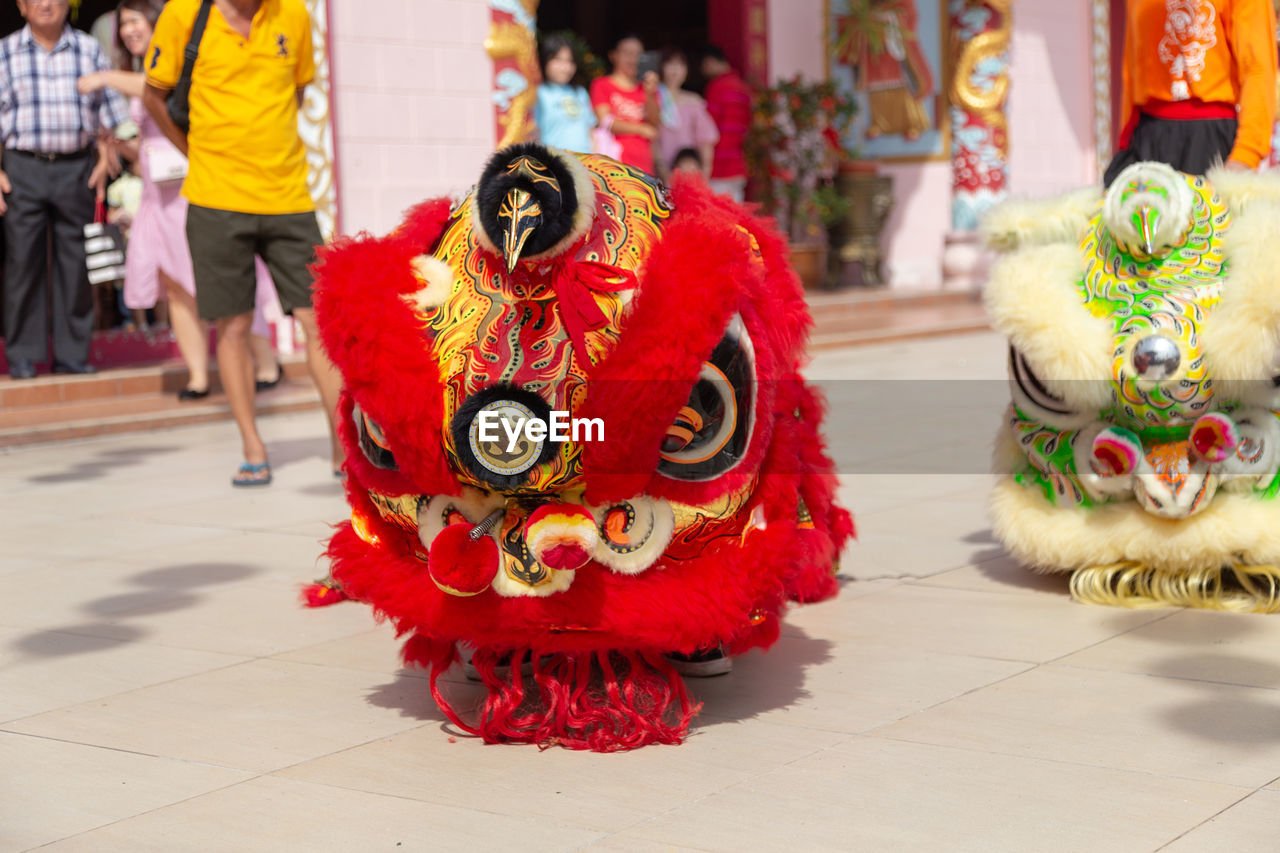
(627, 107)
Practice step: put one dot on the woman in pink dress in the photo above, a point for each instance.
(158, 262)
(685, 120)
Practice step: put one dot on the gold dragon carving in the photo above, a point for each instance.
(511, 40)
(315, 125)
(1102, 82)
(987, 103)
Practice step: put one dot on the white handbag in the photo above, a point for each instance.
(165, 162)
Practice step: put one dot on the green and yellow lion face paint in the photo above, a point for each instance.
(1141, 446)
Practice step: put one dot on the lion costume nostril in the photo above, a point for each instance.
(1116, 452)
(562, 536)
(1215, 437)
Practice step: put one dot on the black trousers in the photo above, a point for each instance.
(47, 196)
(1190, 146)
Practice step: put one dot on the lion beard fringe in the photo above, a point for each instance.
(603, 701)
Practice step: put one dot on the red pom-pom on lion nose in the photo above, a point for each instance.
(460, 565)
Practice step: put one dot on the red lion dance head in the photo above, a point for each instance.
(577, 441)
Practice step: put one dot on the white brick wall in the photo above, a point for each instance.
(411, 85)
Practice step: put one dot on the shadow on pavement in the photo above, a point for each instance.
(997, 565)
(760, 681)
(1238, 717)
(285, 451)
(158, 591)
(105, 463)
(410, 695)
(82, 639)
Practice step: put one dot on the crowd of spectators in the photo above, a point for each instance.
(641, 114)
(98, 125)
(221, 221)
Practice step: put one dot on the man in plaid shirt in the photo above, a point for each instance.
(57, 156)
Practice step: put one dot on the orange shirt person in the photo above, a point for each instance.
(1199, 84)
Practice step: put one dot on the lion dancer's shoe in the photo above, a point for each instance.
(659, 333)
(1141, 449)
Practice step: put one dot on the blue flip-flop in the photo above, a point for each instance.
(252, 475)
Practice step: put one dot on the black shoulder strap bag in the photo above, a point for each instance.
(179, 100)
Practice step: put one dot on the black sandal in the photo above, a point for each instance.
(268, 384)
(192, 394)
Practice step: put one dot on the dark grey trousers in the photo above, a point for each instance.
(47, 196)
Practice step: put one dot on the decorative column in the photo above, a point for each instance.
(513, 46)
(315, 126)
(1102, 78)
(980, 133)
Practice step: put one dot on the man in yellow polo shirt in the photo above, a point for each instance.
(246, 183)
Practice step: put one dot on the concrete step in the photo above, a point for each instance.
(60, 408)
(871, 317)
(856, 300)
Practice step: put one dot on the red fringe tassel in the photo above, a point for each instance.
(601, 701)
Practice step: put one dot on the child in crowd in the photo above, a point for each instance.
(563, 110)
(687, 160)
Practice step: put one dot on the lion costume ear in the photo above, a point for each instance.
(1241, 336)
(1035, 299)
(1032, 222)
(713, 261)
(365, 290)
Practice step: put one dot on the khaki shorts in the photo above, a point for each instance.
(223, 244)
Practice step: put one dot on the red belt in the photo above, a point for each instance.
(1189, 110)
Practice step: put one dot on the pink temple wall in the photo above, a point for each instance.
(1051, 98)
(795, 30)
(412, 88)
(1050, 113)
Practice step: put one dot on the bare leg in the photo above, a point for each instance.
(328, 380)
(264, 359)
(235, 366)
(191, 333)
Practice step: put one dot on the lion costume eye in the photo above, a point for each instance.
(711, 433)
(373, 442)
(1029, 389)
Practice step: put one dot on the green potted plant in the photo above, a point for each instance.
(793, 151)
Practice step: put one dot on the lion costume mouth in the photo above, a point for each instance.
(543, 540)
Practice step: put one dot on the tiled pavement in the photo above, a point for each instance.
(160, 689)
